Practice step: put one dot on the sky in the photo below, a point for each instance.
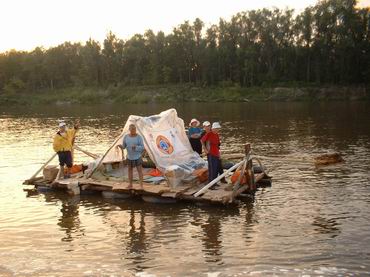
(26, 24)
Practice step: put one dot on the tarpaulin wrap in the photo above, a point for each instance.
(165, 141)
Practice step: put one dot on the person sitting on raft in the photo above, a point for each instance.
(63, 145)
(213, 152)
(134, 144)
(194, 136)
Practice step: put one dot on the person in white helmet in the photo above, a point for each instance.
(213, 153)
(206, 129)
(63, 145)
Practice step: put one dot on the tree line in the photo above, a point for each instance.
(328, 43)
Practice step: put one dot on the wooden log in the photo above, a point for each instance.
(170, 194)
(244, 188)
(31, 182)
(247, 165)
(327, 159)
(210, 184)
(236, 185)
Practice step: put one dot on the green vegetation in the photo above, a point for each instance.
(183, 93)
(327, 44)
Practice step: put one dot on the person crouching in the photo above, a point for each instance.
(63, 145)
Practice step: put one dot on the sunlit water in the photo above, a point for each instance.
(310, 222)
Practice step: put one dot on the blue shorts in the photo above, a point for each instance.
(65, 158)
(134, 163)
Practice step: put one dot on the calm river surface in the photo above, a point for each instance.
(311, 222)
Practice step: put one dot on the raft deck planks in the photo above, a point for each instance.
(225, 193)
(222, 195)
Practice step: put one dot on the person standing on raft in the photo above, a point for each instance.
(213, 151)
(206, 128)
(63, 146)
(134, 144)
(195, 134)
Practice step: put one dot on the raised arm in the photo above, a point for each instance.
(56, 143)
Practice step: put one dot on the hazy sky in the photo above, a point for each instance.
(25, 24)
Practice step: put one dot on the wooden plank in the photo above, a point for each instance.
(219, 195)
(120, 187)
(66, 181)
(148, 188)
(33, 181)
(108, 184)
(238, 192)
(171, 194)
(41, 182)
(183, 188)
(156, 189)
(99, 188)
(193, 189)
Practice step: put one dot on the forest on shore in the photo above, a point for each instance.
(326, 44)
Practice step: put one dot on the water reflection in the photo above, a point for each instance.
(136, 240)
(69, 220)
(309, 219)
(212, 240)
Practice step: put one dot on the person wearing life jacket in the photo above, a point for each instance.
(63, 145)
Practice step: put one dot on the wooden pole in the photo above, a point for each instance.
(242, 173)
(102, 158)
(251, 181)
(247, 164)
(210, 184)
(42, 167)
(94, 156)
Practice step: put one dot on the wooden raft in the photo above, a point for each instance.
(223, 194)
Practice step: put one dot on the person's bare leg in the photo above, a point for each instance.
(61, 172)
(130, 177)
(68, 172)
(140, 171)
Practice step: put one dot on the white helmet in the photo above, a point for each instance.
(216, 125)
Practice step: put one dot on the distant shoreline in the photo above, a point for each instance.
(186, 93)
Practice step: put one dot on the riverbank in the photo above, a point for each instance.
(185, 93)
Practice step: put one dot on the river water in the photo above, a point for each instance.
(311, 222)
